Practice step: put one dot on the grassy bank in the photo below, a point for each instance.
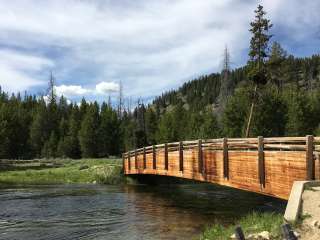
(108, 171)
(251, 224)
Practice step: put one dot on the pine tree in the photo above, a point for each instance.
(258, 54)
(71, 145)
(277, 58)
(109, 131)
(38, 129)
(89, 134)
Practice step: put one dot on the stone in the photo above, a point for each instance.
(315, 223)
(252, 236)
(265, 235)
(233, 236)
(296, 234)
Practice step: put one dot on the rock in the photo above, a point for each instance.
(315, 223)
(296, 234)
(233, 236)
(94, 182)
(252, 236)
(265, 235)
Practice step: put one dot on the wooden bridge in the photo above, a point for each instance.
(264, 165)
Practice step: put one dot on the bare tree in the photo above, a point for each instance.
(51, 93)
(120, 100)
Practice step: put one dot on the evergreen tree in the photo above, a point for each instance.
(71, 145)
(89, 132)
(109, 131)
(258, 53)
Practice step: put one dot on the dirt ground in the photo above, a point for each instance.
(310, 214)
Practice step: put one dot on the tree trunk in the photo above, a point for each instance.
(251, 112)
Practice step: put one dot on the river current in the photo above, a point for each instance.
(176, 211)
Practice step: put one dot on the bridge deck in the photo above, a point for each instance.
(268, 166)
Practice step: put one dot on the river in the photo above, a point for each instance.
(122, 212)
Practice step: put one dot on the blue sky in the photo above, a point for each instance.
(150, 45)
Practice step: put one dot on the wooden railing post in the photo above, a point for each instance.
(129, 162)
(154, 157)
(309, 158)
(181, 156)
(166, 160)
(135, 159)
(144, 158)
(123, 162)
(261, 165)
(225, 158)
(200, 157)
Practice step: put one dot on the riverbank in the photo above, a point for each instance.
(107, 171)
(251, 224)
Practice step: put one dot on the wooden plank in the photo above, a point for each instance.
(200, 157)
(144, 158)
(154, 157)
(135, 159)
(129, 162)
(261, 165)
(181, 156)
(309, 158)
(225, 158)
(166, 161)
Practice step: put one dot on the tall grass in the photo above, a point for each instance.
(251, 224)
(108, 171)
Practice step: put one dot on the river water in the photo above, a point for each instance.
(122, 212)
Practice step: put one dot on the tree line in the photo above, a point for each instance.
(274, 94)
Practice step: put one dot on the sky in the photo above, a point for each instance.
(151, 46)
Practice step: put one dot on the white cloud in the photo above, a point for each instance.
(150, 45)
(101, 88)
(21, 71)
(71, 90)
(107, 87)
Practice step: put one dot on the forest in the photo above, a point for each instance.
(274, 94)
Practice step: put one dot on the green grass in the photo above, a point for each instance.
(250, 224)
(107, 171)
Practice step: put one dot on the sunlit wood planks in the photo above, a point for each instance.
(263, 165)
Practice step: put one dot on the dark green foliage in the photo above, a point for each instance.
(259, 46)
(89, 132)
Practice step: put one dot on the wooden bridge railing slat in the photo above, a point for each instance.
(181, 156)
(261, 165)
(135, 159)
(309, 157)
(144, 158)
(225, 158)
(166, 159)
(154, 157)
(129, 162)
(200, 157)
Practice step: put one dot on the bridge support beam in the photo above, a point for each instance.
(181, 156)
(154, 157)
(144, 158)
(309, 157)
(200, 157)
(225, 158)
(166, 159)
(261, 165)
(135, 159)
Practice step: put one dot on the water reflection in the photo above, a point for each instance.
(122, 212)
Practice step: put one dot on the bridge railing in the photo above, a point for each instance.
(258, 155)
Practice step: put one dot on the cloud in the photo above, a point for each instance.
(107, 87)
(21, 71)
(152, 46)
(71, 90)
(101, 88)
